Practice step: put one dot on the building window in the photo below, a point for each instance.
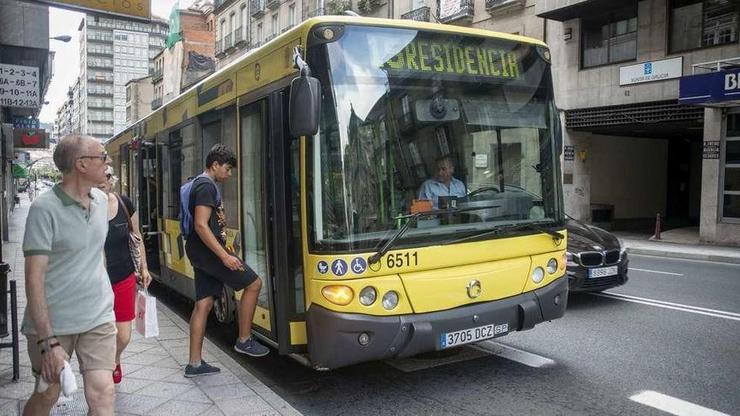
(245, 20)
(609, 38)
(223, 29)
(275, 24)
(291, 15)
(702, 23)
(259, 32)
(731, 170)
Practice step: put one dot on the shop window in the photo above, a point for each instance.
(731, 170)
(609, 38)
(702, 23)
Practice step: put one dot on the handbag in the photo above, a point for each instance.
(146, 323)
(134, 241)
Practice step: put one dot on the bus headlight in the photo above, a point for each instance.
(368, 296)
(552, 266)
(340, 295)
(538, 274)
(390, 300)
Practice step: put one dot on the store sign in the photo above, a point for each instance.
(20, 122)
(651, 71)
(714, 87)
(127, 8)
(30, 139)
(19, 86)
(569, 153)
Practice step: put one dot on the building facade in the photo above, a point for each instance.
(636, 150)
(139, 95)
(112, 52)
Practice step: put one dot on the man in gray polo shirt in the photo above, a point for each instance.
(70, 300)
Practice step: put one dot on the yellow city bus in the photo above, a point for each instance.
(340, 203)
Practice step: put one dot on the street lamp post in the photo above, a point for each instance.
(62, 38)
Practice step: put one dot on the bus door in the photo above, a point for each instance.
(148, 194)
(267, 218)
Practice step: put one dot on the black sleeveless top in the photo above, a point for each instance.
(118, 260)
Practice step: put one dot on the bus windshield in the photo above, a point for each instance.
(459, 128)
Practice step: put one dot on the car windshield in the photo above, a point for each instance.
(415, 121)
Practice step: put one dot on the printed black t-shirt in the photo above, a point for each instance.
(118, 260)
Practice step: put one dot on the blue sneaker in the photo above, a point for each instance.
(204, 369)
(251, 347)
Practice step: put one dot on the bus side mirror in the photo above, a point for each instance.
(304, 106)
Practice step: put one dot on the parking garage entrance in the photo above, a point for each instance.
(640, 160)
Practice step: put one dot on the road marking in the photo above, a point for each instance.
(514, 354)
(654, 271)
(725, 263)
(670, 305)
(673, 405)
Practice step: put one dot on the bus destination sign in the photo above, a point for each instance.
(440, 57)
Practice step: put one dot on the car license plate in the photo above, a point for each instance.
(466, 336)
(602, 272)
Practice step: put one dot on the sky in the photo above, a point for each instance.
(67, 57)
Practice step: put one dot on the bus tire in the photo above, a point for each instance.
(224, 306)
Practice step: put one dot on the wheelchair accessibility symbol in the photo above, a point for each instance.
(359, 265)
(339, 267)
(322, 267)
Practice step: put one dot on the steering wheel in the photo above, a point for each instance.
(483, 189)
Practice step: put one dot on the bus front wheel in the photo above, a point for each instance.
(224, 306)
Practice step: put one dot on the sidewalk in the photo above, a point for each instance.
(679, 243)
(153, 382)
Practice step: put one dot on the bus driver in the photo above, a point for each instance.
(443, 184)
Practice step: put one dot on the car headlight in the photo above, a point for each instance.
(538, 274)
(340, 295)
(390, 300)
(368, 296)
(622, 249)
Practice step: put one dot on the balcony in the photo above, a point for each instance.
(422, 14)
(240, 38)
(156, 103)
(459, 13)
(501, 6)
(270, 37)
(156, 76)
(571, 9)
(272, 4)
(316, 12)
(287, 28)
(257, 8)
(228, 44)
(219, 49)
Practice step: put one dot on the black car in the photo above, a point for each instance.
(596, 259)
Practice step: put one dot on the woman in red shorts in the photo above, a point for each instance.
(120, 265)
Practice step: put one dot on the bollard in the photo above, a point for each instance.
(657, 227)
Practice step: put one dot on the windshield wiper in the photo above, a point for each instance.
(536, 226)
(413, 218)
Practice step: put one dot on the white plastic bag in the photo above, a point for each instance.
(146, 314)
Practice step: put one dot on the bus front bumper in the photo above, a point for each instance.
(334, 337)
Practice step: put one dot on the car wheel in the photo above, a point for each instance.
(224, 306)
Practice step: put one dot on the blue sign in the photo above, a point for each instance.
(322, 267)
(648, 68)
(339, 267)
(359, 265)
(20, 122)
(714, 87)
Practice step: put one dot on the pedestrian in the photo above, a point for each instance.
(70, 301)
(214, 266)
(120, 264)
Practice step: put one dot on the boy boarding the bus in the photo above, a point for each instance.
(202, 216)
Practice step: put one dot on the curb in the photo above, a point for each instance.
(684, 255)
(277, 402)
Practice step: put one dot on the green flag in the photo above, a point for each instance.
(175, 34)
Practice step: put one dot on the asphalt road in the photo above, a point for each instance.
(669, 339)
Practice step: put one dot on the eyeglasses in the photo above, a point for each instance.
(103, 156)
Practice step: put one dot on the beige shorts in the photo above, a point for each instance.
(96, 348)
